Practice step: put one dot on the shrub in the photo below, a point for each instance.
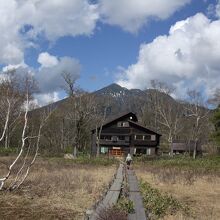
(126, 205)
(158, 204)
(7, 151)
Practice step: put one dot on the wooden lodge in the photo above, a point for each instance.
(183, 147)
(124, 135)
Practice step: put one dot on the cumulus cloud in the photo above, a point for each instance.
(187, 58)
(22, 21)
(49, 75)
(46, 98)
(132, 15)
(11, 45)
(61, 17)
(47, 60)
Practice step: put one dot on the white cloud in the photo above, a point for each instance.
(132, 15)
(46, 98)
(11, 67)
(61, 17)
(47, 60)
(49, 75)
(21, 21)
(11, 45)
(188, 57)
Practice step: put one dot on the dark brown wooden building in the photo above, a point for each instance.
(182, 147)
(124, 135)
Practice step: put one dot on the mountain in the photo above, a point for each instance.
(122, 99)
(116, 91)
(117, 99)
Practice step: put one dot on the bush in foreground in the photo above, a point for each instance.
(157, 204)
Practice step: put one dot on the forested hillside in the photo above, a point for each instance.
(73, 118)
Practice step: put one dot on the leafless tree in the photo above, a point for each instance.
(80, 110)
(100, 119)
(197, 111)
(25, 168)
(12, 97)
(25, 138)
(70, 84)
(215, 99)
(166, 111)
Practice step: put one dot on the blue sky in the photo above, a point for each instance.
(106, 48)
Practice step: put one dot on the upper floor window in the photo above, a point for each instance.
(138, 137)
(106, 137)
(153, 137)
(114, 138)
(147, 137)
(123, 124)
(121, 138)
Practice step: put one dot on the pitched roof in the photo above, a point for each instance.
(119, 117)
(141, 126)
(130, 121)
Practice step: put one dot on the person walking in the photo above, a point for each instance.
(128, 161)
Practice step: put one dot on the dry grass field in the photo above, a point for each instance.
(198, 189)
(55, 189)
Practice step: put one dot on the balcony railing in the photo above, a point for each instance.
(115, 142)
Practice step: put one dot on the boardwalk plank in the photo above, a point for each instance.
(133, 186)
(112, 195)
(135, 196)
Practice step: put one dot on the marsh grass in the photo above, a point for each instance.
(56, 189)
(195, 184)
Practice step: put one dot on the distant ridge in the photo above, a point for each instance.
(120, 99)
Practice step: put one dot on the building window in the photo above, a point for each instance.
(148, 151)
(147, 137)
(121, 138)
(153, 137)
(127, 138)
(106, 137)
(114, 138)
(104, 150)
(123, 124)
(138, 137)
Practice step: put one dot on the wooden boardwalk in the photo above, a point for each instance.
(112, 195)
(135, 196)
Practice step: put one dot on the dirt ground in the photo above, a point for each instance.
(55, 190)
(201, 193)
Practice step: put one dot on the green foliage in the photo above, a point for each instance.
(158, 204)
(216, 121)
(183, 162)
(7, 151)
(126, 205)
(68, 150)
